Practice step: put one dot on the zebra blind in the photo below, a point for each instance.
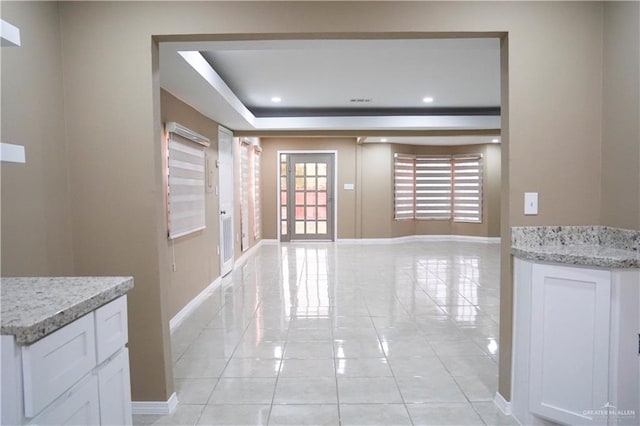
(433, 187)
(467, 188)
(257, 213)
(404, 186)
(438, 187)
(186, 187)
(244, 194)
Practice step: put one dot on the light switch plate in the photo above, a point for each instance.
(530, 203)
(349, 186)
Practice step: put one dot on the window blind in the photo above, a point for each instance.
(186, 187)
(433, 187)
(404, 186)
(438, 187)
(244, 193)
(467, 188)
(257, 213)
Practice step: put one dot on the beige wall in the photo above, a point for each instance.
(36, 209)
(112, 107)
(197, 263)
(375, 214)
(620, 111)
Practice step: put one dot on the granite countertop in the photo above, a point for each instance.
(596, 246)
(35, 307)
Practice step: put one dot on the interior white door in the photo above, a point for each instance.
(225, 179)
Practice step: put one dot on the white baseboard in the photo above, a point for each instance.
(157, 408)
(245, 255)
(502, 404)
(421, 238)
(193, 304)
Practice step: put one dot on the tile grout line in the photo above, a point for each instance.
(393, 374)
(284, 350)
(335, 371)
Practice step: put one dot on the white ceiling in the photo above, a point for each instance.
(233, 82)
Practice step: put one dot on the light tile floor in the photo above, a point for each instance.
(350, 334)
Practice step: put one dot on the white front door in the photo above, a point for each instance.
(225, 179)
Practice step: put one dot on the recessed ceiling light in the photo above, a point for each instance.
(383, 140)
(276, 99)
(427, 99)
(495, 140)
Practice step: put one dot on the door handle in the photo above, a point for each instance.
(223, 212)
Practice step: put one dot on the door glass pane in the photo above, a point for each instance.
(283, 183)
(283, 213)
(322, 198)
(322, 169)
(283, 198)
(299, 198)
(283, 158)
(311, 227)
(322, 227)
(299, 227)
(299, 213)
(311, 213)
(322, 184)
(311, 198)
(283, 227)
(299, 183)
(322, 212)
(283, 169)
(311, 184)
(311, 169)
(299, 169)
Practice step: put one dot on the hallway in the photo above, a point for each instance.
(347, 334)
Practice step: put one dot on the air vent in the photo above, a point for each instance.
(359, 100)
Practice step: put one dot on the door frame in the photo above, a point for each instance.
(335, 186)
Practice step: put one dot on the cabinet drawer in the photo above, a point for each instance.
(56, 362)
(80, 406)
(111, 328)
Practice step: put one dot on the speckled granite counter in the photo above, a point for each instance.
(598, 246)
(34, 307)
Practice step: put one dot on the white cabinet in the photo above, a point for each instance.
(77, 375)
(569, 342)
(55, 363)
(111, 328)
(80, 406)
(115, 391)
(575, 358)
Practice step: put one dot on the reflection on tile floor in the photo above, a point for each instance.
(344, 334)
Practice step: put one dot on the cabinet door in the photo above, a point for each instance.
(115, 390)
(78, 407)
(56, 362)
(111, 328)
(569, 343)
